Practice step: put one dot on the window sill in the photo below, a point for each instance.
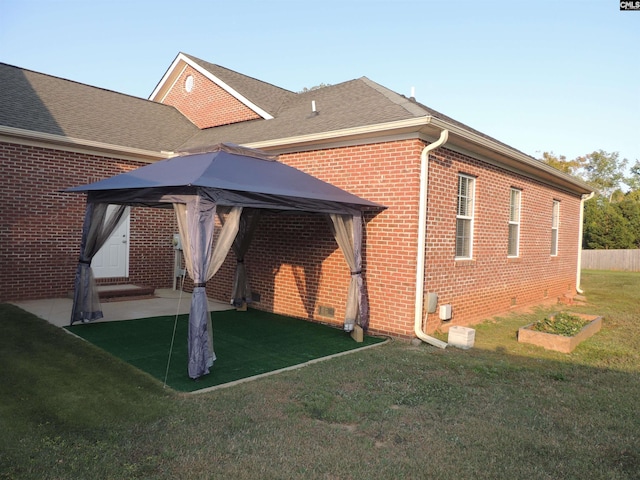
(465, 262)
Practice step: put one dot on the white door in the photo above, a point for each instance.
(112, 260)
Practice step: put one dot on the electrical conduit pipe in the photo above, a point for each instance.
(422, 245)
(580, 233)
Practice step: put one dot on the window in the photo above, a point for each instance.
(555, 222)
(188, 83)
(514, 223)
(464, 217)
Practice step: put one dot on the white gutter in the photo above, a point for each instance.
(31, 137)
(422, 238)
(408, 125)
(580, 233)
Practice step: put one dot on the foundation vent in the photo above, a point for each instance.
(325, 311)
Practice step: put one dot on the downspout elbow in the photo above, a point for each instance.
(580, 234)
(422, 244)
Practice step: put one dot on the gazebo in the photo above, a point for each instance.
(237, 184)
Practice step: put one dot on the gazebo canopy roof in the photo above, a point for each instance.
(229, 175)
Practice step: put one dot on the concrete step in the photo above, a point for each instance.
(571, 299)
(119, 293)
(580, 299)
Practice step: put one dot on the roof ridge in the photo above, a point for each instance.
(299, 96)
(458, 123)
(311, 91)
(413, 107)
(410, 106)
(265, 95)
(204, 64)
(56, 77)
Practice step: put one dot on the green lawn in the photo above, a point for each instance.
(246, 343)
(500, 410)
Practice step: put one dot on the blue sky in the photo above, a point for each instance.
(543, 75)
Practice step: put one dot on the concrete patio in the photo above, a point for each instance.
(164, 302)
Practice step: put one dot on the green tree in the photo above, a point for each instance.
(561, 163)
(605, 227)
(315, 87)
(629, 208)
(612, 218)
(604, 171)
(633, 180)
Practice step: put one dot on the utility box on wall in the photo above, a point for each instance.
(432, 302)
(445, 312)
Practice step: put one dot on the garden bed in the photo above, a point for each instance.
(559, 342)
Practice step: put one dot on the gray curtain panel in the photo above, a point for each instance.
(99, 224)
(347, 230)
(241, 292)
(196, 225)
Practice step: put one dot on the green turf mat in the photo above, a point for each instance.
(246, 344)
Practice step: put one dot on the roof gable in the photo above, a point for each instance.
(205, 103)
(265, 95)
(234, 93)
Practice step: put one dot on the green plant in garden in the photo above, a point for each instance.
(562, 323)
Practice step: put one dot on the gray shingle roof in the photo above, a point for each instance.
(346, 105)
(43, 103)
(47, 104)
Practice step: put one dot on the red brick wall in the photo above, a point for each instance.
(491, 282)
(296, 266)
(207, 105)
(294, 263)
(386, 173)
(40, 227)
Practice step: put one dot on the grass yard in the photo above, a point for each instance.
(246, 344)
(500, 410)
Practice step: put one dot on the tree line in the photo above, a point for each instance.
(612, 216)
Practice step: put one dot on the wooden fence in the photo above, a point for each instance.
(628, 260)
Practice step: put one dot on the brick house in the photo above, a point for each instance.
(500, 229)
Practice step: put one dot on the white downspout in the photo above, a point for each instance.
(422, 237)
(580, 233)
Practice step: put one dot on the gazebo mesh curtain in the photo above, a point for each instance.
(99, 224)
(347, 230)
(241, 292)
(196, 225)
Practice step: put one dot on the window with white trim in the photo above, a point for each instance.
(555, 223)
(464, 216)
(513, 250)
